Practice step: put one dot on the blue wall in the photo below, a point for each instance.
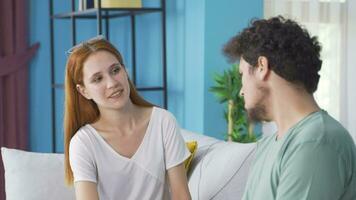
(194, 44)
(196, 31)
(40, 125)
(223, 19)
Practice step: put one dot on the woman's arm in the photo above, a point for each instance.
(85, 190)
(178, 183)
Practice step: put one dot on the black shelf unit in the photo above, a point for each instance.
(105, 14)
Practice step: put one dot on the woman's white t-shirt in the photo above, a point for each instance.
(143, 176)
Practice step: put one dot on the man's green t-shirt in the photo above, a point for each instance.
(315, 159)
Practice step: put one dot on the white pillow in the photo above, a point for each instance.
(215, 165)
(202, 140)
(34, 176)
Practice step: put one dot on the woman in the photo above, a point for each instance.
(117, 145)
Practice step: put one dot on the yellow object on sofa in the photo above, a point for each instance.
(192, 146)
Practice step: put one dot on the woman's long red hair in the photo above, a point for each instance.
(78, 110)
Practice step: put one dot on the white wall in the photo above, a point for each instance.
(350, 121)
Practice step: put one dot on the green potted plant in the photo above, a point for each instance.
(226, 89)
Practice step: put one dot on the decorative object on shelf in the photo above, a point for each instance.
(227, 90)
(119, 4)
(85, 4)
(81, 5)
(89, 4)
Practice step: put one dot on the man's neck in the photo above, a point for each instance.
(291, 106)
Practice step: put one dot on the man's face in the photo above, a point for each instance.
(253, 91)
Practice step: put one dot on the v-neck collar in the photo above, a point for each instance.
(297, 125)
(97, 134)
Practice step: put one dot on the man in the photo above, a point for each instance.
(312, 156)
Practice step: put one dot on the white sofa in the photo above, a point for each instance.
(218, 171)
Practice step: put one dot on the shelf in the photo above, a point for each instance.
(61, 86)
(106, 13)
(150, 88)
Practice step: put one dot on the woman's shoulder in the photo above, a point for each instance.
(81, 145)
(82, 135)
(163, 113)
(163, 118)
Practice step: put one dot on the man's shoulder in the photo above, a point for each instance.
(324, 131)
(321, 127)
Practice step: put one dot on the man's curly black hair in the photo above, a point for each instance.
(291, 52)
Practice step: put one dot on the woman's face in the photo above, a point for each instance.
(105, 81)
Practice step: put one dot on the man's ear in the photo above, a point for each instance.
(82, 91)
(262, 69)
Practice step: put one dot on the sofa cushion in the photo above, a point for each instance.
(235, 188)
(34, 176)
(202, 140)
(218, 170)
(215, 166)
